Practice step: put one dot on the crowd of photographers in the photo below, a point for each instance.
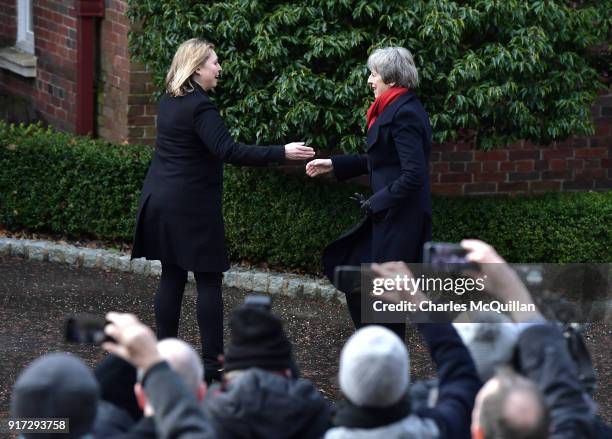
(502, 378)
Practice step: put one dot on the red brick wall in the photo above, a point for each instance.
(53, 91)
(115, 65)
(8, 23)
(142, 109)
(580, 163)
(125, 110)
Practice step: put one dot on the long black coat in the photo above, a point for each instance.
(397, 160)
(180, 220)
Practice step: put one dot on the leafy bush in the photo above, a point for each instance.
(492, 70)
(54, 182)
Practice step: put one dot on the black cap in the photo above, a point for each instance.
(257, 340)
(57, 385)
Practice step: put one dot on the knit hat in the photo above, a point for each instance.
(257, 340)
(57, 385)
(374, 368)
(491, 341)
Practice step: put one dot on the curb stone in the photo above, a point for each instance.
(258, 281)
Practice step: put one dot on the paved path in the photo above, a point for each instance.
(261, 281)
(35, 297)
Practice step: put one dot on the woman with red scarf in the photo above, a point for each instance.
(397, 217)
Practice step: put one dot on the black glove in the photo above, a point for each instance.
(364, 205)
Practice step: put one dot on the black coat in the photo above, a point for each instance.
(543, 358)
(397, 160)
(261, 404)
(180, 218)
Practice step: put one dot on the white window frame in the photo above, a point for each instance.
(25, 26)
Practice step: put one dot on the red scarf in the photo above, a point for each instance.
(381, 102)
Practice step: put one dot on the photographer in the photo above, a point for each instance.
(185, 361)
(57, 385)
(177, 412)
(364, 357)
(542, 353)
(261, 396)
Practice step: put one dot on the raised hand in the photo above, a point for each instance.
(298, 151)
(319, 167)
(133, 341)
(500, 280)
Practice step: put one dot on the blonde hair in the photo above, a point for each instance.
(188, 57)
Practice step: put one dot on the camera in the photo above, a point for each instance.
(349, 278)
(447, 257)
(85, 329)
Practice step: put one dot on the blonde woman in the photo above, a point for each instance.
(180, 219)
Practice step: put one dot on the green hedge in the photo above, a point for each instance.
(493, 70)
(54, 182)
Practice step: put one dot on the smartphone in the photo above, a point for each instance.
(85, 329)
(258, 301)
(447, 257)
(349, 278)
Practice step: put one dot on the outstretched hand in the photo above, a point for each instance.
(319, 167)
(298, 151)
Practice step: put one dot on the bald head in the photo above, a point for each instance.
(184, 360)
(510, 406)
(523, 409)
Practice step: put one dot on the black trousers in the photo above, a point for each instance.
(209, 307)
(353, 303)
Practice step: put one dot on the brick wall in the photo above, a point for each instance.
(8, 26)
(142, 109)
(579, 163)
(115, 65)
(53, 92)
(123, 103)
(125, 110)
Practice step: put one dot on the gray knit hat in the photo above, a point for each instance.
(491, 341)
(374, 368)
(57, 385)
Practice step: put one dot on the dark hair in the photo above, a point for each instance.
(493, 420)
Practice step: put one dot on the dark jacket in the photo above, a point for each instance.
(397, 160)
(260, 404)
(457, 377)
(177, 413)
(543, 358)
(143, 429)
(111, 421)
(179, 218)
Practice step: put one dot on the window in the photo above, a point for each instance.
(25, 26)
